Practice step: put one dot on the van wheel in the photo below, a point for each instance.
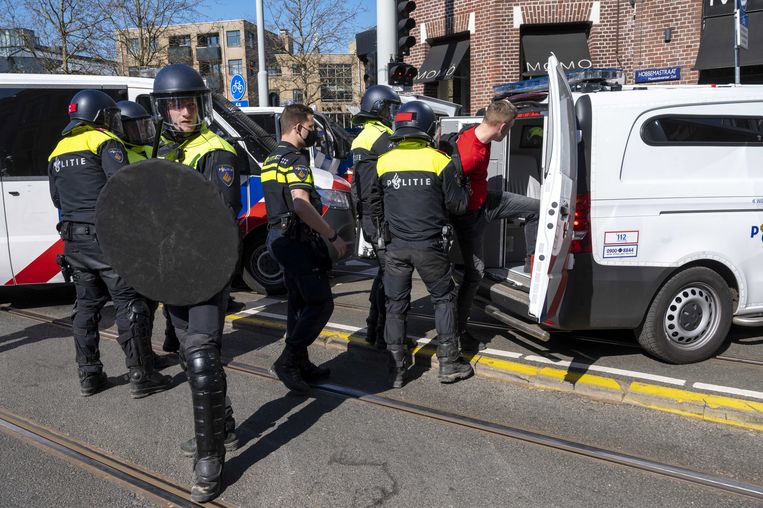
(260, 271)
(689, 318)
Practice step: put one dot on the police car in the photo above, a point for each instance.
(651, 210)
(34, 109)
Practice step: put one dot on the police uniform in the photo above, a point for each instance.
(78, 169)
(367, 147)
(411, 177)
(137, 153)
(301, 253)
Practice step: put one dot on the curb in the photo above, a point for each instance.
(726, 410)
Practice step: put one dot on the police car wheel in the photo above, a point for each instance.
(260, 272)
(690, 317)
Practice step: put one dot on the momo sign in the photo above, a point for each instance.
(571, 49)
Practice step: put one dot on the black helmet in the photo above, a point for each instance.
(93, 107)
(178, 87)
(378, 103)
(137, 124)
(415, 119)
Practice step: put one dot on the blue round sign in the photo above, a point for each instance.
(237, 87)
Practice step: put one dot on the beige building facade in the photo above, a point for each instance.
(222, 49)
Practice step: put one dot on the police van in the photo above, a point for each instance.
(651, 213)
(34, 109)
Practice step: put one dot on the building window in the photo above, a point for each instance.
(298, 96)
(336, 82)
(210, 40)
(250, 40)
(233, 38)
(134, 45)
(274, 98)
(180, 41)
(296, 69)
(235, 66)
(212, 74)
(274, 70)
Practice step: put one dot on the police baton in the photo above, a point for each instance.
(158, 124)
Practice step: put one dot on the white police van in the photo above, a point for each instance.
(651, 212)
(34, 109)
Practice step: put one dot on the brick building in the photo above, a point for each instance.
(465, 47)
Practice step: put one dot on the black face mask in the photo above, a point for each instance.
(312, 137)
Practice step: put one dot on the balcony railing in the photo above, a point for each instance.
(211, 54)
(180, 55)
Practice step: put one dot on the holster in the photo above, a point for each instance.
(446, 242)
(66, 268)
(384, 236)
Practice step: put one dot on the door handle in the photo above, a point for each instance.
(14, 193)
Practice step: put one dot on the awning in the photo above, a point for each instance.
(716, 43)
(442, 61)
(571, 49)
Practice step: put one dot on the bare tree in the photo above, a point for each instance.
(138, 26)
(311, 27)
(65, 29)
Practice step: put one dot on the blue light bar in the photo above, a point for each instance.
(574, 76)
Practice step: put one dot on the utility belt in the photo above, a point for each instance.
(68, 229)
(293, 228)
(443, 244)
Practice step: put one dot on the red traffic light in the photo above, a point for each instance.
(402, 74)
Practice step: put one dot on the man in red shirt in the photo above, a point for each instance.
(484, 206)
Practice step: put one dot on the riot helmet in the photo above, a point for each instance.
(183, 101)
(415, 119)
(380, 102)
(93, 107)
(137, 124)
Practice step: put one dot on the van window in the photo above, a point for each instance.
(32, 123)
(703, 130)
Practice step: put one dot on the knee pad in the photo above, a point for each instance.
(205, 370)
(139, 316)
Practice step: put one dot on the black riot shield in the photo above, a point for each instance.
(167, 231)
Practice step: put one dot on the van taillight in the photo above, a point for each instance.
(581, 225)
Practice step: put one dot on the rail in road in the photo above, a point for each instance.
(167, 492)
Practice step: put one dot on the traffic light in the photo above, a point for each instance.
(369, 76)
(401, 74)
(404, 25)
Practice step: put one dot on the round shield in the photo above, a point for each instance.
(167, 231)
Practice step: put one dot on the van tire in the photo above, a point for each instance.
(689, 318)
(258, 268)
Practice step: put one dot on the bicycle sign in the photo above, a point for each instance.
(237, 87)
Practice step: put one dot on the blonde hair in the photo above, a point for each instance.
(499, 112)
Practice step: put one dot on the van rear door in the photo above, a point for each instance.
(557, 202)
(6, 270)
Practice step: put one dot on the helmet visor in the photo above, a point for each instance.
(388, 111)
(111, 119)
(184, 113)
(139, 131)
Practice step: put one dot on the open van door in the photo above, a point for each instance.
(557, 202)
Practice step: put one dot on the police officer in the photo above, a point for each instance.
(139, 134)
(413, 178)
(295, 226)
(377, 109)
(182, 99)
(78, 168)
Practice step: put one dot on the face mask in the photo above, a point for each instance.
(311, 138)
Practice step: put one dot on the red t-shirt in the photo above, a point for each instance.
(475, 156)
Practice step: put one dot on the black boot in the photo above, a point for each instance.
(399, 365)
(231, 439)
(286, 368)
(452, 365)
(91, 383)
(144, 381)
(308, 370)
(469, 344)
(207, 380)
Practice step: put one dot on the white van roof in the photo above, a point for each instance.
(677, 94)
(74, 81)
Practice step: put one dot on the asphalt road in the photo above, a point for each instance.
(326, 450)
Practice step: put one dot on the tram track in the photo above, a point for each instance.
(154, 487)
(716, 482)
